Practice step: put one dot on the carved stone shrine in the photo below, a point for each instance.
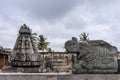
(25, 53)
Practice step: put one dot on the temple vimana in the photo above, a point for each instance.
(91, 56)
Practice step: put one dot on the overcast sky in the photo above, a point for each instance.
(59, 20)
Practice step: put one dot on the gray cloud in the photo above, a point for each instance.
(46, 9)
(59, 20)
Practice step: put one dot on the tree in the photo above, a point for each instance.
(42, 44)
(84, 36)
(50, 50)
(34, 38)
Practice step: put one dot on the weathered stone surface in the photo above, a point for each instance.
(60, 77)
(25, 53)
(71, 45)
(94, 56)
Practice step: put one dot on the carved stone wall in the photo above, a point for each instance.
(3, 57)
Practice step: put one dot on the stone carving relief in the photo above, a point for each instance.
(94, 56)
(24, 52)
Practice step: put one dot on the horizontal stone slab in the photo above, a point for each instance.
(61, 77)
(25, 64)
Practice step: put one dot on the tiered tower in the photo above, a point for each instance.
(25, 53)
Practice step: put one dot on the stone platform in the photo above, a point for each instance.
(40, 76)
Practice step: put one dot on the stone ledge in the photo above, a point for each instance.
(62, 77)
(25, 64)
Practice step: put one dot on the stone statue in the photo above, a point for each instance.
(94, 56)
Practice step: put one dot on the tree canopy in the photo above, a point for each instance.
(42, 44)
(84, 36)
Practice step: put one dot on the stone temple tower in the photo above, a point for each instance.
(25, 53)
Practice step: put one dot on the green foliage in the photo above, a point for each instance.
(84, 36)
(34, 37)
(41, 43)
(50, 50)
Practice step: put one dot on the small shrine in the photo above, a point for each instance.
(25, 53)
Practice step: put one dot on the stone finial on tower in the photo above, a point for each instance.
(24, 29)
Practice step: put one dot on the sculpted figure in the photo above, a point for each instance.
(93, 56)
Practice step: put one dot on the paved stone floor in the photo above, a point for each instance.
(13, 76)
